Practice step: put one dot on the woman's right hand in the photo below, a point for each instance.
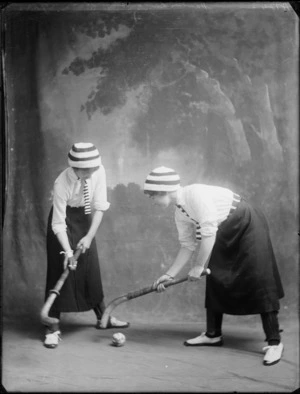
(69, 260)
(72, 263)
(158, 284)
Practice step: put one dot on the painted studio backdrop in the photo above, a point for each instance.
(211, 91)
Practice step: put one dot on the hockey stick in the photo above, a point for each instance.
(45, 318)
(138, 293)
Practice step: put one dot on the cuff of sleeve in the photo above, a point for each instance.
(102, 207)
(59, 229)
(68, 253)
(191, 247)
(208, 231)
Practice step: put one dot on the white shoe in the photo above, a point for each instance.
(203, 340)
(52, 339)
(273, 354)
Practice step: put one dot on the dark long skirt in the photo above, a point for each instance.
(82, 290)
(244, 275)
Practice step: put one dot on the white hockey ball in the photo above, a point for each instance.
(119, 339)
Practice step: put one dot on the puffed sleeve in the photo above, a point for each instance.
(59, 208)
(100, 202)
(205, 213)
(186, 231)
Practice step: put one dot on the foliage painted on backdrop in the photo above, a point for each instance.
(209, 79)
(212, 91)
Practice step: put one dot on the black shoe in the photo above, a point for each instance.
(112, 323)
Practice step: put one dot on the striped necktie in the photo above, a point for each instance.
(198, 227)
(86, 196)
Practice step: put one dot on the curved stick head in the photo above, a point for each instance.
(47, 320)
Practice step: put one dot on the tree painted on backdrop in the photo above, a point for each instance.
(211, 80)
(214, 75)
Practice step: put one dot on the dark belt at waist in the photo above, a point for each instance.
(235, 202)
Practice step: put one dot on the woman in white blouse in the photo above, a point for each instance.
(234, 243)
(79, 201)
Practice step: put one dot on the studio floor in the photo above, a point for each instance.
(152, 360)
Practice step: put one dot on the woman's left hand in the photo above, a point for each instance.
(195, 273)
(158, 284)
(84, 243)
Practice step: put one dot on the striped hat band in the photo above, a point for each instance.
(162, 179)
(84, 155)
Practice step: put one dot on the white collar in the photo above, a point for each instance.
(72, 175)
(180, 200)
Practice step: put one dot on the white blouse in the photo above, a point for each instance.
(68, 190)
(208, 205)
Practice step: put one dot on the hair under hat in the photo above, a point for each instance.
(162, 179)
(84, 155)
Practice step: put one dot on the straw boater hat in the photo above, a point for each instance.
(162, 179)
(84, 155)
